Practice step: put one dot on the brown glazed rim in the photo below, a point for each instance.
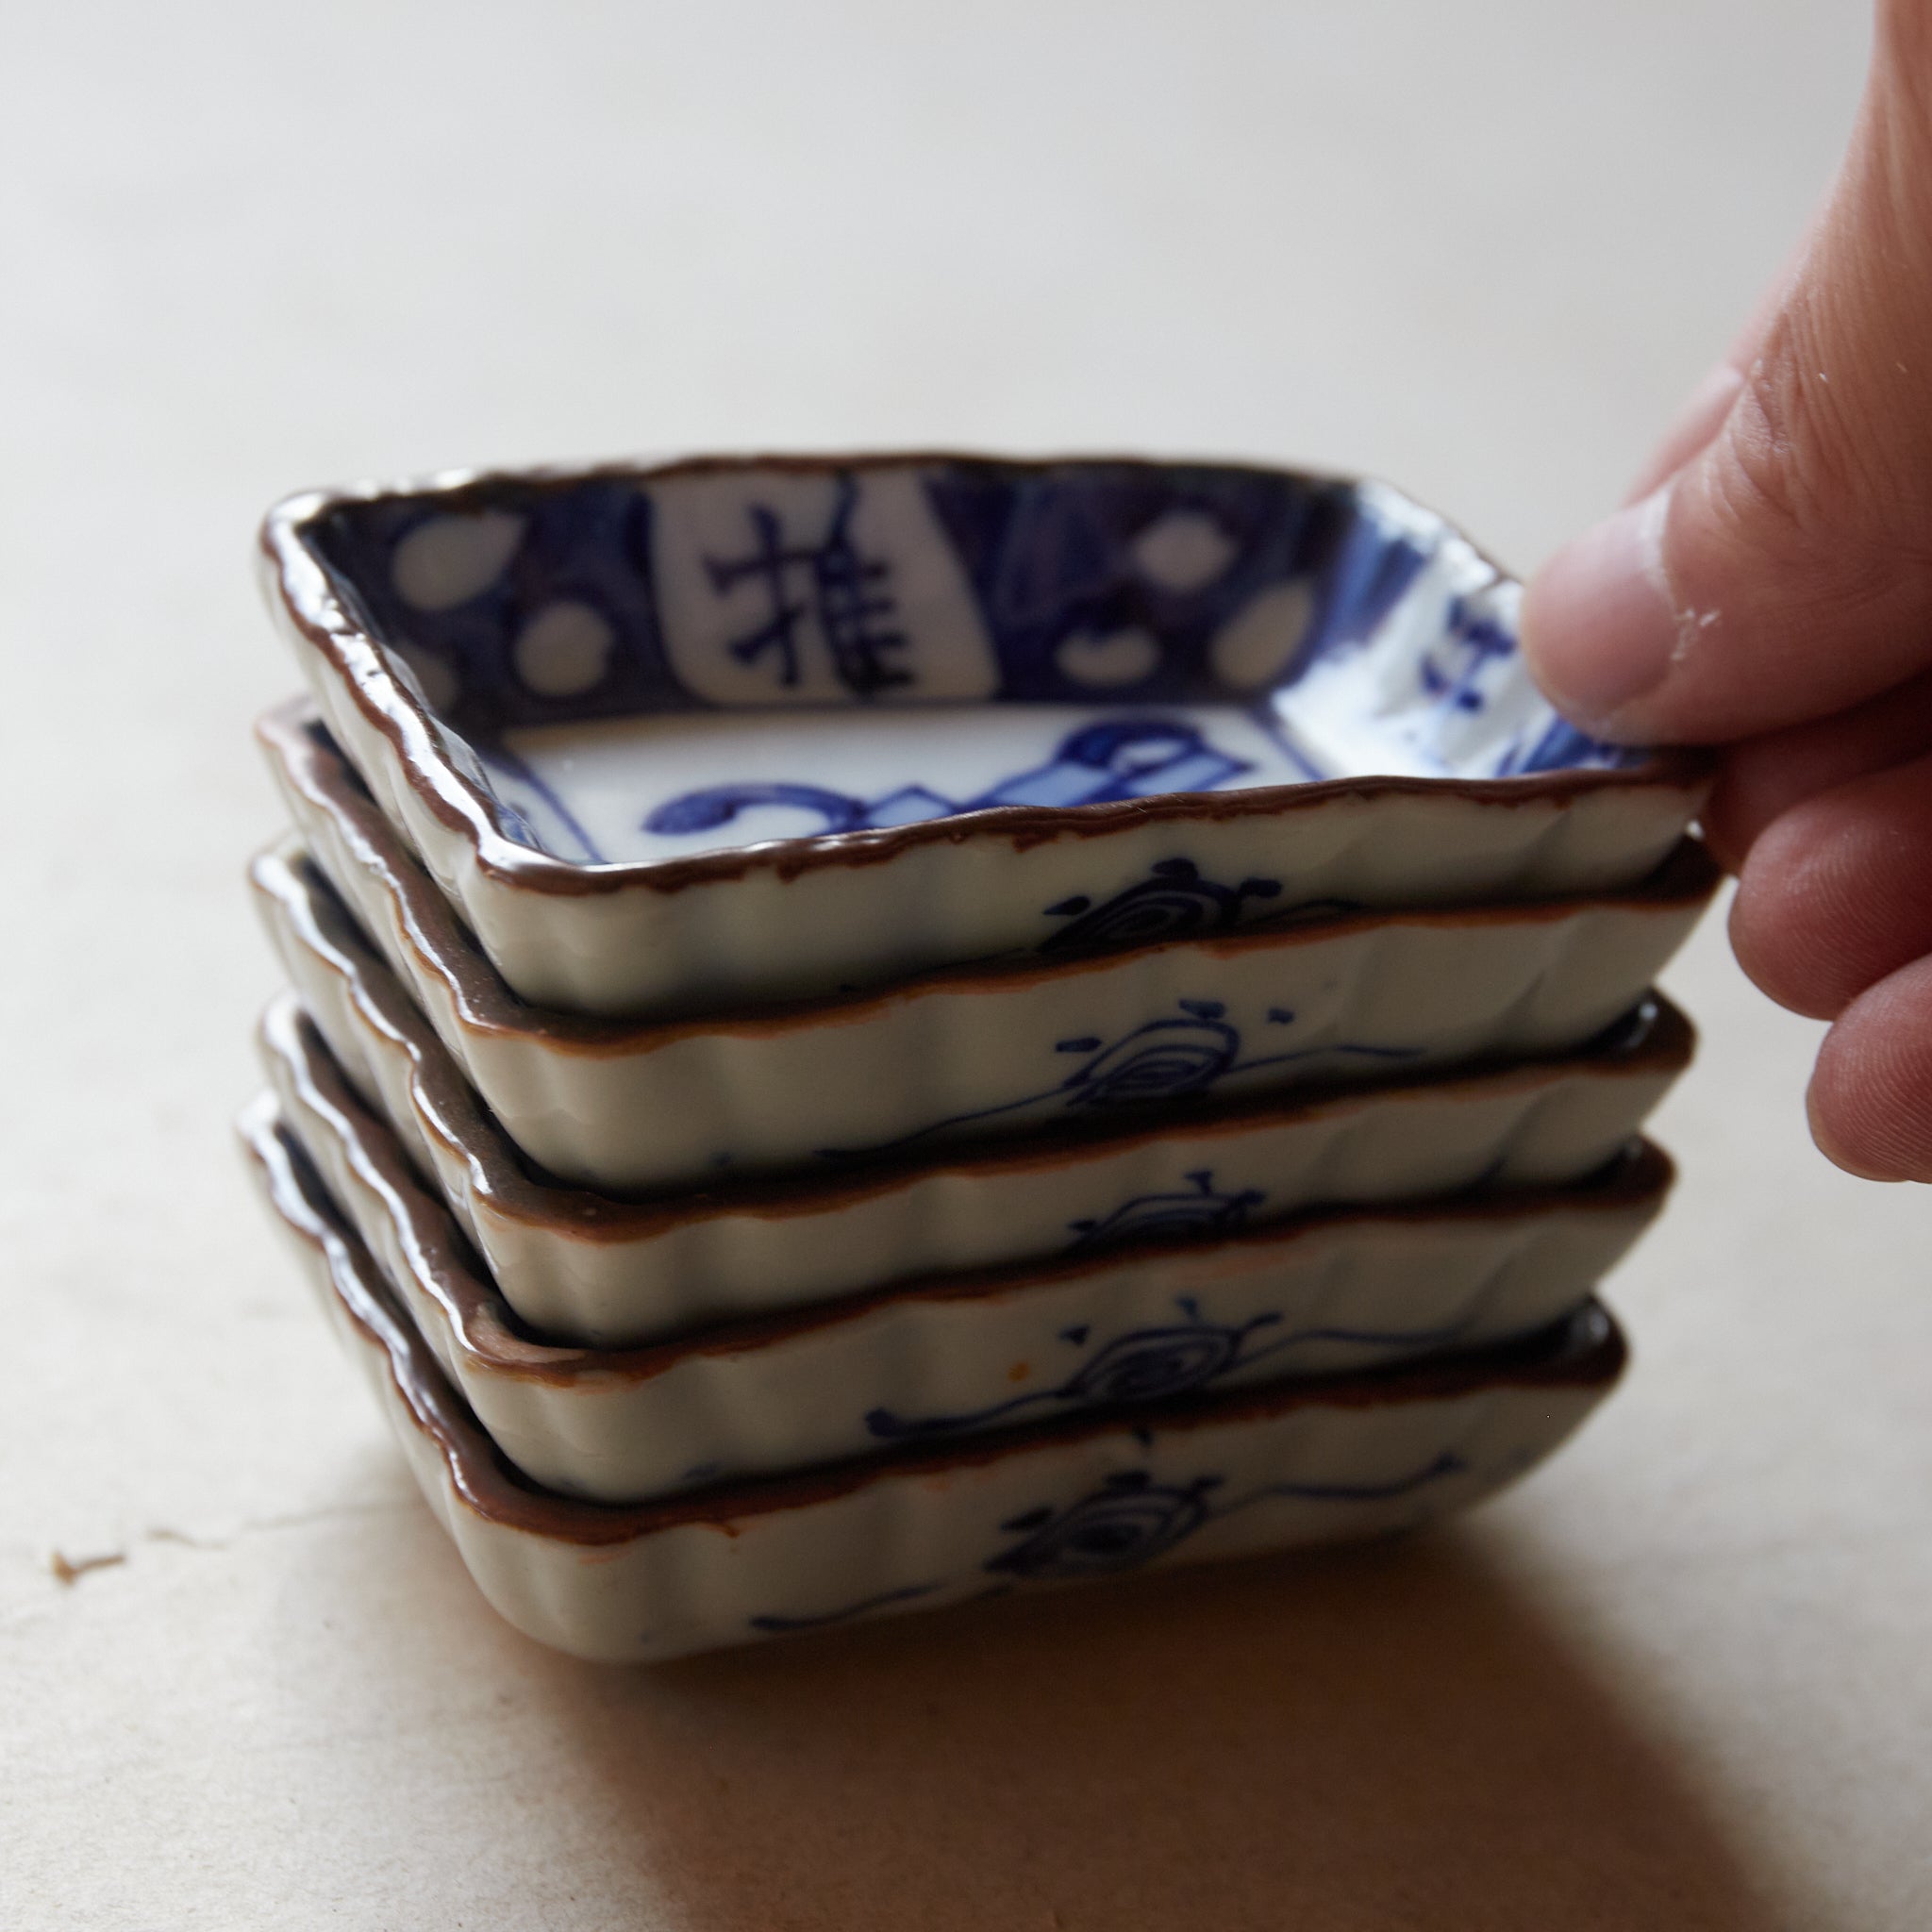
(489, 1331)
(1658, 1039)
(1587, 1352)
(313, 766)
(302, 586)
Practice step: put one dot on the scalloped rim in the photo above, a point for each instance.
(1588, 1353)
(320, 773)
(300, 589)
(1661, 1040)
(486, 1330)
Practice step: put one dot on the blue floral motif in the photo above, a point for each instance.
(1173, 901)
(1175, 1057)
(1130, 1520)
(1098, 764)
(1153, 1362)
(1143, 1365)
(1057, 554)
(1160, 1060)
(1128, 1523)
(1149, 1364)
(1196, 1211)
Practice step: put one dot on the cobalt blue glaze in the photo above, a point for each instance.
(1128, 1521)
(1046, 554)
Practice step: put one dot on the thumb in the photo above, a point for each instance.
(1783, 568)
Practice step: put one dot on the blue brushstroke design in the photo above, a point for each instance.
(1131, 1521)
(1169, 1058)
(1101, 763)
(1150, 1364)
(778, 1626)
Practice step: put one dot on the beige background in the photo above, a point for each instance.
(1679, 1680)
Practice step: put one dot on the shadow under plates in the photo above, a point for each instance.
(1385, 1738)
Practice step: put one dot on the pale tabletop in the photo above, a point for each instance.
(1680, 1679)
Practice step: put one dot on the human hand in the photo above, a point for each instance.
(1769, 589)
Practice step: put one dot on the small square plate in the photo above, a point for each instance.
(1095, 1497)
(930, 1362)
(685, 738)
(980, 1052)
(604, 1272)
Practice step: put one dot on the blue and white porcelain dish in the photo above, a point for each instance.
(978, 1052)
(1100, 1496)
(688, 738)
(932, 1362)
(602, 1273)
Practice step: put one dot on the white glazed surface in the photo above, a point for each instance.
(617, 779)
(963, 1055)
(569, 924)
(1323, 1295)
(1321, 1464)
(605, 1272)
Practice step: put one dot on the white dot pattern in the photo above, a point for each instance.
(564, 650)
(1185, 550)
(448, 560)
(1259, 643)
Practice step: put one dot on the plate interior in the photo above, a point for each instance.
(652, 665)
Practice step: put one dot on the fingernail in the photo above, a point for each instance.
(1598, 626)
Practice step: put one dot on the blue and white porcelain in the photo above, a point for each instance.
(1136, 1318)
(604, 1273)
(691, 738)
(1094, 1497)
(1069, 1046)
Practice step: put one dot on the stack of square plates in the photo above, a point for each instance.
(873, 1031)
